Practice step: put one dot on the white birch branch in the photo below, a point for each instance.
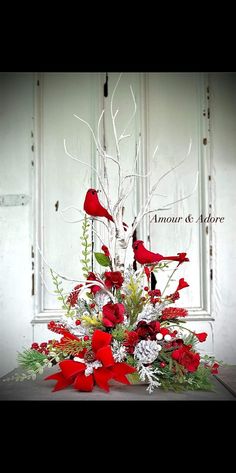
(91, 167)
(122, 136)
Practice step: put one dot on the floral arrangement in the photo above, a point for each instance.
(119, 326)
(117, 323)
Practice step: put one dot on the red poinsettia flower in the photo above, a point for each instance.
(95, 288)
(201, 336)
(186, 358)
(100, 368)
(182, 284)
(105, 251)
(113, 314)
(113, 279)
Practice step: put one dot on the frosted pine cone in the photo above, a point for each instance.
(146, 351)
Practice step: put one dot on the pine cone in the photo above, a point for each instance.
(89, 356)
(146, 351)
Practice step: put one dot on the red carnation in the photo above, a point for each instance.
(106, 251)
(186, 358)
(132, 339)
(201, 336)
(113, 314)
(182, 284)
(173, 313)
(113, 278)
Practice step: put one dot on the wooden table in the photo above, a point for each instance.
(40, 390)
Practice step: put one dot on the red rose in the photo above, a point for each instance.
(113, 278)
(113, 314)
(187, 358)
(182, 284)
(106, 251)
(201, 336)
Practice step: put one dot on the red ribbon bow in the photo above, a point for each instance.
(73, 372)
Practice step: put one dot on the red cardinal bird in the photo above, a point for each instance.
(93, 207)
(143, 256)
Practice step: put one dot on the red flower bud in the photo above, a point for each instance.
(201, 336)
(106, 251)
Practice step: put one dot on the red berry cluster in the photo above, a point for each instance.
(42, 348)
(154, 295)
(57, 328)
(173, 297)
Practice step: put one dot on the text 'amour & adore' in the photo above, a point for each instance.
(188, 219)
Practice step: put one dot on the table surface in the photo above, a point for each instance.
(41, 390)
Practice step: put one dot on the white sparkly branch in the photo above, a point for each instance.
(176, 201)
(113, 117)
(90, 128)
(91, 167)
(124, 193)
(98, 132)
(144, 210)
(123, 135)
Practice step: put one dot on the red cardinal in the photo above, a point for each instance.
(93, 207)
(143, 256)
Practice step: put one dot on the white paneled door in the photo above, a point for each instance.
(169, 130)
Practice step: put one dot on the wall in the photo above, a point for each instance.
(223, 149)
(16, 112)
